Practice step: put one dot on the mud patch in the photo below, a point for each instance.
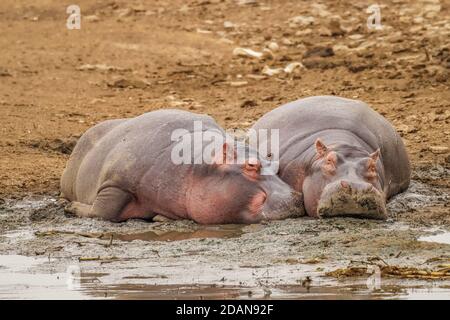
(64, 146)
(224, 232)
(204, 232)
(278, 259)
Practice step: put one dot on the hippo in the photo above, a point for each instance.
(124, 168)
(344, 157)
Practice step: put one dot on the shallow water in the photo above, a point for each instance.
(28, 278)
(443, 237)
(17, 281)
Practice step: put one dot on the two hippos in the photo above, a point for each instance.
(337, 157)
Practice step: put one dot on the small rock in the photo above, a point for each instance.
(100, 67)
(292, 66)
(403, 129)
(305, 32)
(356, 37)
(244, 52)
(319, 63)
(271, 72)
(324, 31)
(97, 100)
(273, 46)
(184, 8)
(203, 31)
(438, 149)
(249, 103)
(160, 218)
(319, 10)
(287, 42)
(256, 77)
(341, 49)
(91, 18)
(238, 83)
(302, 20)
(124, 12)
(356, 67)
(319, 52)
(229, 25)
(247, 3)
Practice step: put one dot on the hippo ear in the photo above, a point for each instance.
(321, 148)
(227, 156)
(375, 155)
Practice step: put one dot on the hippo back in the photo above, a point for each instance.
(121, 152)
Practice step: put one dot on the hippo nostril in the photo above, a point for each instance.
(345, 184)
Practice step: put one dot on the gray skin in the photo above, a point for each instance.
(344, 157)
(122, 169)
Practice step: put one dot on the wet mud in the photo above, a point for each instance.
(52, 254)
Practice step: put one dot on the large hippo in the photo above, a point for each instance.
(122, 169)
(344, 157)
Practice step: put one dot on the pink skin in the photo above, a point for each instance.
(332, 170)
(223, 192)
(228, 193)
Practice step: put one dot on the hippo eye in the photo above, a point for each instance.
(329, 166)
(331, 163)
(371, 169)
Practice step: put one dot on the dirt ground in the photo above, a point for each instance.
(130, 57)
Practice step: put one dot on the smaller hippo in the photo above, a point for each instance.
(125, 168)
(344, 157)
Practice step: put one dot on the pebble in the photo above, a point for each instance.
(273, 46)
(302, 20)
(319, 51)
(438, 149)
(238, 83)
(91, 18)
(229, 25)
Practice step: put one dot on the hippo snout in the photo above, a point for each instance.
(352, 199)
(284, 205)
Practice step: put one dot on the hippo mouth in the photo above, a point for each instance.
(278, 208)
(347, 202)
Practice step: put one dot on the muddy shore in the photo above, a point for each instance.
(294, 258)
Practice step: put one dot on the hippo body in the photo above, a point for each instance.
(343, 156)
(122, 169)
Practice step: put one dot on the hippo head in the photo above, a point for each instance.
(231, 191)
(344, 180)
